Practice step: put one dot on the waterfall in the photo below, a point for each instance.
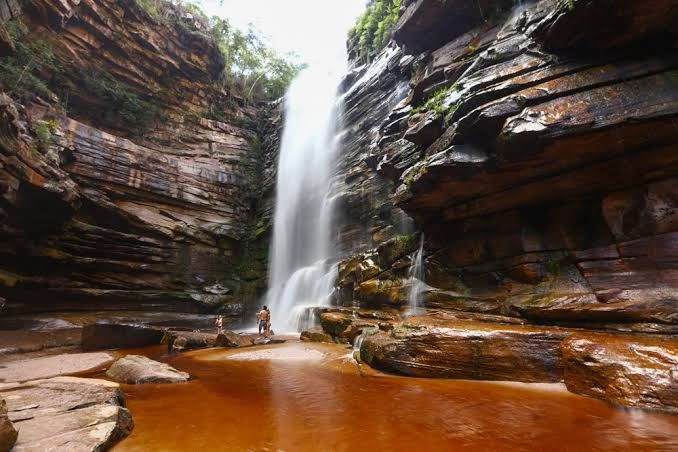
(302, 270)
(416, 278)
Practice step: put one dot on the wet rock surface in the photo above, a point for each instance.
(66, 413)
(99, 336)
(467, 350)
(345, 325)
(52, 366)
(316, 335)
(136, 369)
(231, 339)
(8, 433)
(189, 340)
(536, 153)
(627, 369)
(639, 372)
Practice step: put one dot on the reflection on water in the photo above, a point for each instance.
(325, 404)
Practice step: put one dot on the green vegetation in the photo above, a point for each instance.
(36, 71)
(122, 104)
(461, 287)
(436, 104)
(43, 134)
(373, 29)
(252, 70)
(416, 173)
(552, 265)
(22, 75)
(404, 242)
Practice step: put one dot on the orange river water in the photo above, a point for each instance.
(314, 397)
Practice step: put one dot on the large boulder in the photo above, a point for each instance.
(101, 335)
(636, 372)
(344, 325)
(52, 366)
(8, 433)
(136, 369)
(316, 335)
(425, 347)
(189, 340)
(67, 413)
(379, 292)
(231, 339)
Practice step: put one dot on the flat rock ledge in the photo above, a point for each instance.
(66, 414)
(136, 369)
(52, 366)
(627, 369)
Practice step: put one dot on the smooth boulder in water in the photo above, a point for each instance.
(136, 369)
(231, 339)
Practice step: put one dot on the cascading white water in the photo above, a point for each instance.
(416, 277)
(302, 271)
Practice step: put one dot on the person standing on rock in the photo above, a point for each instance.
(218, 324)
(263, 318)
(268, 323)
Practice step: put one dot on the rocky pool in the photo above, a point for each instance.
(314, 397)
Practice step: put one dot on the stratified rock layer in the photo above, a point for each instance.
(535, 148)
(467, 350)
(632, 370)
(639, 372)
(67, 413)
(103, 216)
(53, 366)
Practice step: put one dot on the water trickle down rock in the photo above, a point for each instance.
(416, 274)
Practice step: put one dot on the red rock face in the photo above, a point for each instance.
(549, 192)
(110, 218)
(467, 350)
(637, 372)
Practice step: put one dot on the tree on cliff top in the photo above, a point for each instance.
(252, 69)
(373, 29)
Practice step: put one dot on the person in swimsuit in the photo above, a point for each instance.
(268, 322)
(262, 319)
(218, 324)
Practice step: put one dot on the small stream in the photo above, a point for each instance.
(313, 397)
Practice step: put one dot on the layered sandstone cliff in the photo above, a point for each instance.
(143, 194)
(534, 146)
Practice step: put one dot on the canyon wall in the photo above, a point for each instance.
(534, 145)
(130, 179)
